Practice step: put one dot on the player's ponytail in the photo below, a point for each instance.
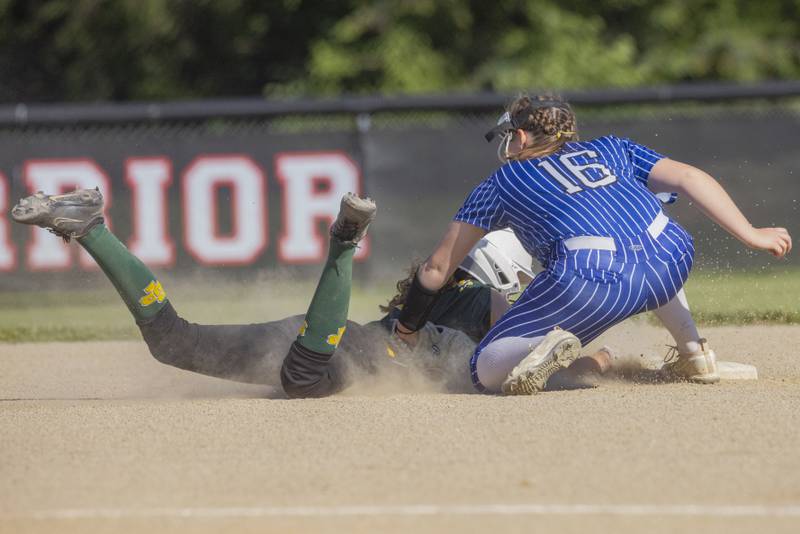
(549, 127)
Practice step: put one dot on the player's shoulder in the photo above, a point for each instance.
(612, 145)
(603, 143)
(496, 181)
(607, 141)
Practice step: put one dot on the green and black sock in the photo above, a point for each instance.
(135, 283)
(326, 318)
(306, 370)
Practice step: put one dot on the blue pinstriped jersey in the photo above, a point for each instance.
(596, 188)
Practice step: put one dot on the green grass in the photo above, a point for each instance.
(771, 296)
(730, 298)
(101, 314)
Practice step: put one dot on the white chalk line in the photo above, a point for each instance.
(417, 510)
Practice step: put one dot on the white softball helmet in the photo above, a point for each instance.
(498, 260)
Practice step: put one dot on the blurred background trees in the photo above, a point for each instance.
(161, 49)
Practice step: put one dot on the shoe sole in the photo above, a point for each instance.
(696, 379)
(53, 212)
(31, 209)
(362, 209)
(356, 211)
(704, 379)
(531, 375)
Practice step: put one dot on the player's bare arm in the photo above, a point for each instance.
(440, 266)
(716, 204)
(499, 305)
(451, 251)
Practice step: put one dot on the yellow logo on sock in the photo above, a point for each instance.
(154, 292)
(303, 328)
(335, 339)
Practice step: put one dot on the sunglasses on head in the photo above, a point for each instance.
(506, 124)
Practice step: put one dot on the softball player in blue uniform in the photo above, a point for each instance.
(587, 210)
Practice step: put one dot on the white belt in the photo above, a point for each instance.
(658, 225)
(607, 243)
(590, 241)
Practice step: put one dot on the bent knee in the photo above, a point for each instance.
(307, 374)
(166, 337)
(498, 359)
(168, 355)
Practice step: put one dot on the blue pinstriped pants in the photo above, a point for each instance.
(588, 291)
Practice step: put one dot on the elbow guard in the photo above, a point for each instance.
(418, 305)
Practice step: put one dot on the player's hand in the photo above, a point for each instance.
(776, 241)
(409, 339)
(398, 348)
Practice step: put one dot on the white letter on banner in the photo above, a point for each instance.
(8, 253)
(200, 183)
(149, 180)
(313, 185)
(46, 252)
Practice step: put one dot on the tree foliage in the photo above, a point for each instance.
(159, 49)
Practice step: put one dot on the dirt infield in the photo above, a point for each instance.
(99, 437)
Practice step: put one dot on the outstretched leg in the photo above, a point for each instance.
(306, 370)
(248, 353)
(79, 215)
(677, 319)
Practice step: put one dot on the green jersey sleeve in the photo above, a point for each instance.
(465, 307)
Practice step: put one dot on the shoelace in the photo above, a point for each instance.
(65, 237)
(672, 354)
(346, 229)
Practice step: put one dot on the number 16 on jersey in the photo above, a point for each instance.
(578, 172)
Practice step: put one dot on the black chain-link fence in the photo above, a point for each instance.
(417, 162)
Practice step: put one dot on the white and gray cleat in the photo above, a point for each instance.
(69, 215)
(557, 350)
(355, 215)
(700, 367)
